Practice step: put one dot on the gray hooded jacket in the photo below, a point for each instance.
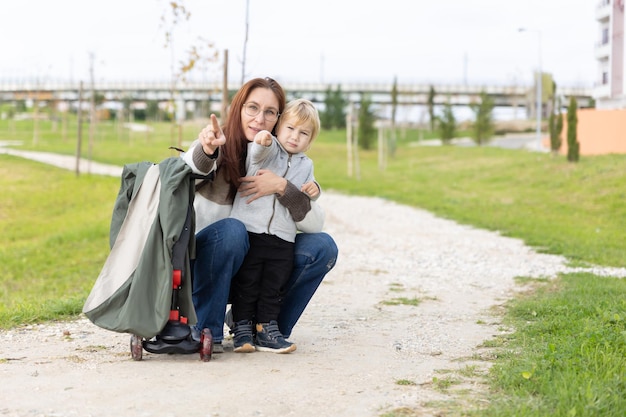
(266, 214)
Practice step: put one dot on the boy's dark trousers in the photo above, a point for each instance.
(257, 288)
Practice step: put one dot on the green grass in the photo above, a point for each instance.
(569, 358)
(576, 210)
(111, 142)
(53, 239)
(402, 301)
(566, 355)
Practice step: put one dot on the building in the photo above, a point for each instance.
(610, 88)
(603, 130)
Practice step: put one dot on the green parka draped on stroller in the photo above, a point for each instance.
(151, 242)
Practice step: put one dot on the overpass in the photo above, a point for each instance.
(379, 93)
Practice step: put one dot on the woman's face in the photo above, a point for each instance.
(263, 102)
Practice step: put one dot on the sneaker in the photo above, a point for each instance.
(228, 318)
(242, 340)
(270, 339)
(195, 335)
(218, 347)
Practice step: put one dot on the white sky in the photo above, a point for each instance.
(339, 41)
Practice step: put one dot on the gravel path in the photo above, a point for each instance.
(353, 345)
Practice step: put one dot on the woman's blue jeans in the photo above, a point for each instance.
(220, 250)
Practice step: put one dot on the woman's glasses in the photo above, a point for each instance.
(253, 110)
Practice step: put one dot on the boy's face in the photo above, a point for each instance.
(294, 137)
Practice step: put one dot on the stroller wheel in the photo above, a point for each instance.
(136, 347)
(206, 345)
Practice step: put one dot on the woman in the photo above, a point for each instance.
(222, 242)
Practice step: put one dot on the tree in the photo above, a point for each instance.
(483, 125)
(573, 146)
(431, 107)
(559, 126)
(245, 44)
(201, 55)
(326, 116)
(394, 107)
(152, 110)
(334, 114)
(339, 108)
(394, 100)
(447, 124)
(367, 132)
(555, 122)
(205, 51)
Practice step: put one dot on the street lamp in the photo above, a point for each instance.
(539, 82)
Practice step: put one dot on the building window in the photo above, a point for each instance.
(605, 36)
(605, 78)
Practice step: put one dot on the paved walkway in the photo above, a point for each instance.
(63, 161)
(90, 167)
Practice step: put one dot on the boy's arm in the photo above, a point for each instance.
(261, 147)
(263, 138)
(308, 215)
(311, 189)
(310, 186)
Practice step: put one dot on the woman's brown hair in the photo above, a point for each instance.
(236, 148)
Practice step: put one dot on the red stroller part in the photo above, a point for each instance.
(176, 336)
(145, 285)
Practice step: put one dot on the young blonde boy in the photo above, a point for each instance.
(256, 291)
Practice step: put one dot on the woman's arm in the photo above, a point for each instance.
(262, 184)
(203, 152)
(309, 216)
(200, 162)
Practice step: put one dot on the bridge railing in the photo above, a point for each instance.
(381, 92)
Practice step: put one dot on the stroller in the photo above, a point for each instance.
(144, 287)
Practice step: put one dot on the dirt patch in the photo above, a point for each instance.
(403, 313)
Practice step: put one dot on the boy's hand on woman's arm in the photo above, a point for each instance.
(311, 189)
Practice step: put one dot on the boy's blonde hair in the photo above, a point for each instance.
(302, 111)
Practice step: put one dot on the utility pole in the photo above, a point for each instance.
(538, 92)
(245, 45)
(224, 109)
(79, 119)
(92, 111)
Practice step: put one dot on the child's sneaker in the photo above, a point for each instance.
(242, 339)
(228, 318)
(270, 339)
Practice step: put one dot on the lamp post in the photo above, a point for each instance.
(539, 85)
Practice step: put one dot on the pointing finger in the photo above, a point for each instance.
(215, 126)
